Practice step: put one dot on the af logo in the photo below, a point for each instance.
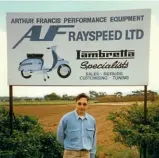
(34, 33)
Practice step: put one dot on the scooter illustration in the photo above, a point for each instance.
(34, 64)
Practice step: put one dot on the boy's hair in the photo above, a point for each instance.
(82, 95)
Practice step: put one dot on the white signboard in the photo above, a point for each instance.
(79, 48)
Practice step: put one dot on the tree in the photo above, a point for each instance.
(118, 94)
(93, 94)
(52, 96)
(65, 97)
(28, 140)
(152, 94)
(131, 129)
(101, 94)
(71, 97)
(138, 92)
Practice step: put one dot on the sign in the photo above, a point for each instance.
(79, 48)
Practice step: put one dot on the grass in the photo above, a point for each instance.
(124, 153)
(99, 149)
(117, 153)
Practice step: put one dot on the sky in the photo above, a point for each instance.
(65, 6)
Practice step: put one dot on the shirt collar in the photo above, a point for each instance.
(77, 116)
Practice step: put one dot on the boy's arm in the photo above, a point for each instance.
(60, 132)
(93, 151)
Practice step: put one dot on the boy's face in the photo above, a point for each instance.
(82, 105)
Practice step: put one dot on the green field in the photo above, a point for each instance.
(55, 102)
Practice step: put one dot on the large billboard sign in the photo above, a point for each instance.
(79, 48)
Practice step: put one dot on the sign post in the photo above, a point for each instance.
(104, 48)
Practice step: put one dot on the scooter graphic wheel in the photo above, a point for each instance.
(64, 71)
(25, 74)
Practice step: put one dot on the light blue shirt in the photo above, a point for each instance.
(75, 133)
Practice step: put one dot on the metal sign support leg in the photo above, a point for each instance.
(11, 108)
(145, 118)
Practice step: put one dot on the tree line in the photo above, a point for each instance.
(92, 95)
